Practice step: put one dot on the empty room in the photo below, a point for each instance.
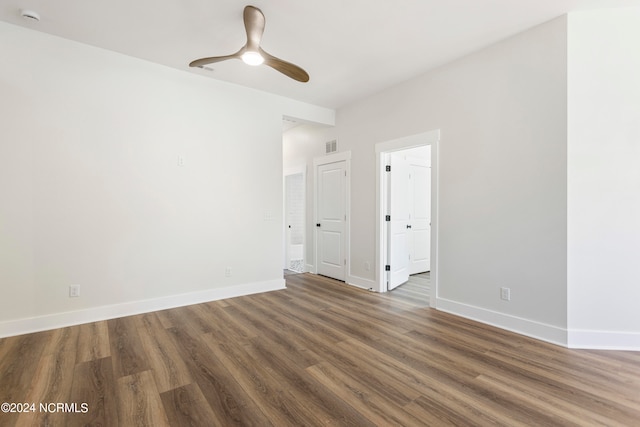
(320, 213)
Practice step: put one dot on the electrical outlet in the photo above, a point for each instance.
(74, 291)
(505, 294)
(227, 272)
(180, 160)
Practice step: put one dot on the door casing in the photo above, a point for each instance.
(431, 138)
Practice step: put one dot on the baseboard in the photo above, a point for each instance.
(530, 328)
(361, 282)
(604, 340)
(94, 314)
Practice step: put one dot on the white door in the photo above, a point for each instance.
(398, 248)
(420, 213)
(331, 220)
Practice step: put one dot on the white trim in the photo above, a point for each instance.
(94, 314)
(325, 160)
(572, 338)
(361, 282)
(332, 158)
(294, 170)
(431, 138)
(604, 340)
(530, 328)
(412, 141)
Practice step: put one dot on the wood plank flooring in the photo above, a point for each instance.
(416, 291)
(318, 353)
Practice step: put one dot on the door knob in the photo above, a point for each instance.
(318, 225)
(408, 226)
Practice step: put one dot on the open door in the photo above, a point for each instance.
(420, 212)
(399, 221)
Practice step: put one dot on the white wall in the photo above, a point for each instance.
(538, 177)
(502, 170)
(91, 192)
(604, 179)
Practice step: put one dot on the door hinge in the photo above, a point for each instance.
(387, 218)
(345, 262)
(388, 168)
(387, 267)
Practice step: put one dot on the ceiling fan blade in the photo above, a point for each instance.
(254, 22)
(204, 61)
(286, 68)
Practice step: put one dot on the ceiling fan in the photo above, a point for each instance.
(251, 53)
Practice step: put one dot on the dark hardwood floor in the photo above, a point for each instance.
(318, 353)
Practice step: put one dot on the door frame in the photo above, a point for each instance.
(431, 138)
(300, 169)
(325, 160)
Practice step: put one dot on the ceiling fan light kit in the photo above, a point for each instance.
(252, 54)
(252, 58)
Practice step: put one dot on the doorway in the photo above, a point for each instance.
(397, 254)
(408, 183)
(294, 220)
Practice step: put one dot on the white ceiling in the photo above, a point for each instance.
(350, 48)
